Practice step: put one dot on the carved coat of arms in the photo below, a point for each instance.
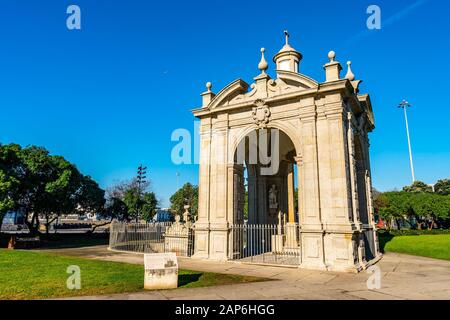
(261, 113)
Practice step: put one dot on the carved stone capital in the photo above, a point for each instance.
(299, 160)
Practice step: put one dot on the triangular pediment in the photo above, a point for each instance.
(297, 80)
(227, 94)
(265, 87)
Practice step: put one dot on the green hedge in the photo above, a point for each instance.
(71, 240)
(413, 232)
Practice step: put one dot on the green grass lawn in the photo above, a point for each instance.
(433, 246)
(38, 275)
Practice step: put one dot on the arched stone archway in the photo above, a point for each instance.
(269, 157)
(325, 129)
(236, 135)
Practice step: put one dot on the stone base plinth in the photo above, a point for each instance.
(178, 244)
(161, 271)
(277, 243)
(161, 279)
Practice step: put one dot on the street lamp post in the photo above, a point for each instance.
(404, 105)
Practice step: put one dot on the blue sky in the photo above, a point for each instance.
(108, 96)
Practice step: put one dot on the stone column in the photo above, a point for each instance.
(201, 248)
(370, 208)
(309, 196)
(339, 240)
(340, 197)
(291, 193)
(236, 195)
(309, 183)
(219, 226)
(232, 206)
(291, 228)
(298, 161)
(253, 187)
(262, 201)
(352, 169)
(370, 199)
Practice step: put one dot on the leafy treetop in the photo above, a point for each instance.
(188, 194)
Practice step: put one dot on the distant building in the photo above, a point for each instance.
(71, 217)
(93, 216)
(163, 215)
(14, 222)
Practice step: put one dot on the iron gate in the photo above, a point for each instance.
(266, 244)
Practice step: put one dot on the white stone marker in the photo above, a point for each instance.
(161, 271)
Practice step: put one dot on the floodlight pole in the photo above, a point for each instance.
(404, 105)
(140, 180)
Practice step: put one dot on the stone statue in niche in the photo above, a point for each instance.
(273, 202)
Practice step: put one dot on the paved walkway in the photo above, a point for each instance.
(403, 277)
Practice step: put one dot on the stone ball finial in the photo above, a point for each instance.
(208, 86)
(350, 76)
(263, 63)
(331, 55)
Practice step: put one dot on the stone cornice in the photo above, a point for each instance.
(342, 85)
(201, 112)
(365, 101)
(306, 113)
(334, 110)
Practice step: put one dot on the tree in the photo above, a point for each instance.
(428, 209)
(114, 208)
(118, 190)
(140, 203)
(418, 186)
(442, 187)
(140, 207)
(393, 206)
(131, 200)
(186, 194)
(375, 193)
(44, 185)
(9, 183)
(89, 196)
